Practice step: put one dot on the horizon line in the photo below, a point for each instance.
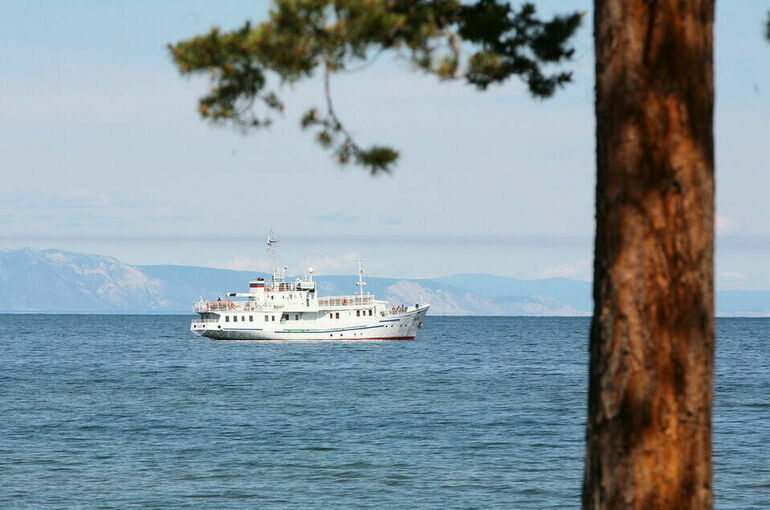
(750, 241)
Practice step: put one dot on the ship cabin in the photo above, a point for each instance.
(280, 301)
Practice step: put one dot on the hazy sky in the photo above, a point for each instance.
(102, 150)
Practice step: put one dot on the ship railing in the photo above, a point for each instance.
(332, 301)
(281, 287)
(290, 286)
(225, 306)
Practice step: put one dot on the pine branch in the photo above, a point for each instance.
(301, 35)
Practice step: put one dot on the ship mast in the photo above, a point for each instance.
(272, 249)
(360, 283)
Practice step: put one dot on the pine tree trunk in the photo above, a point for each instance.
(652, 336)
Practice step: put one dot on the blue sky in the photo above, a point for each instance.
(102, 151)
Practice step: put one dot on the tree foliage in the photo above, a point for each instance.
(767, 27)
(482, 43)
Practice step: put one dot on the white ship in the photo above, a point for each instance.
(282, 310)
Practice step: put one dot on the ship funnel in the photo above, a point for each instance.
(257, 286)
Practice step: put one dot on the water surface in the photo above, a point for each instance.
(134, 412)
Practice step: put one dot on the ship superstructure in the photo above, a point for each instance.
(292, 310)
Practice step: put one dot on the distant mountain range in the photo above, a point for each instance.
(51, 281)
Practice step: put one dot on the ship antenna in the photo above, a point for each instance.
(360, 281)
(272, 248)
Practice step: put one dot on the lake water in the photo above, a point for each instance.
(135, 412)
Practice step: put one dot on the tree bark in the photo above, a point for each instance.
(648, 441)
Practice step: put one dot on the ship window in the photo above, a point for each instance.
(296, 316)
(307, 302)
(331, 315)
(243, 318)
(358, 313)
(337, 315)
(273, 316)
(266, 318)
(370, 313)
(235, 318)
(227, 318)
(251, 318)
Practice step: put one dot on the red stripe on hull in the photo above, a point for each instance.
(378, 338)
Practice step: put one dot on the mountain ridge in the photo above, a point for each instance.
(59, 281)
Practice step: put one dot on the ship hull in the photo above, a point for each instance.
(401, 326)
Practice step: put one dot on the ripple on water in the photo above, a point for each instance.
(131, 412)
